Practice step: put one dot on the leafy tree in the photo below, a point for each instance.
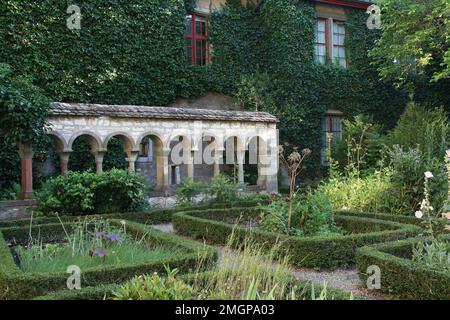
(415, 43)
(23, 107)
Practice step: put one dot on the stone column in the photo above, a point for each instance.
(99, 155)
(64, 161)
(190, 164)
(240, 160)
(262, 164)
(165, 169)
(131, 158)
(26, 162)
(218, 156)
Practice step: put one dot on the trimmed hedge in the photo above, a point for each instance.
(440, 226)
(399, 274)
(157, 216)
(329, 251)
(105, 291)
(16, 284)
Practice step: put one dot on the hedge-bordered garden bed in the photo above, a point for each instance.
(16, 284)
(106, 292)
(329, 251)
(399, 274)
(440, 223)
(156, 216)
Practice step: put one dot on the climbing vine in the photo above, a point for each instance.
(133, 53)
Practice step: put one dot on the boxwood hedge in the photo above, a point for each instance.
(156, 216)
(304, 290)
(16, 284)
(399, 274)
(439, 226)
(329, 251)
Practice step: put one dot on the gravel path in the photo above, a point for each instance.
(344, 279)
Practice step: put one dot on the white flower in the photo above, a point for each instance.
(423, 204)
(446, 215)
(419, 214)
(448, 153)
(428, 175)
(123, 222)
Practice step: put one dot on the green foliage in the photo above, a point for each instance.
(89, 193)
(423, 128)
(325, 251)
(223, 189)
(89, 243)
(155, 287)
(187, 190)
(400, 275)
(23, 106)
(407, 180)
(9, 159)
(364, 194)
(360, 148)
(434, 255)
(311, 216)
(16, 284)
(414, 40)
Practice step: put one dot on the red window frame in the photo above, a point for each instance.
(194, 37)
(326, 39)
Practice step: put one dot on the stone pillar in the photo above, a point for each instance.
(190, 164)
(99, 155)
(131, 158)
(262, 164)
(218, 156)
(26, 162)
(240, 160)
(64, 161)
(165, 169)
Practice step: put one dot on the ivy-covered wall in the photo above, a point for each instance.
(132, 52)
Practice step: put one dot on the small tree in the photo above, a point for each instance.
(293, 163)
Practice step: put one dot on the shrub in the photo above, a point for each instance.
(223, 189)
(434, 255)
(89, 193)
(402, 276)
(363, 194)
(427, 130)
(406, 190)
(155, 287)
(311, 216)
(187, 191)
(119, 191)
(361, 145)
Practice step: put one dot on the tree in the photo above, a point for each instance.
(415, 42)
(23, 107)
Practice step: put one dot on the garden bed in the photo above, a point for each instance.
(157, 216)
(400, 275)
(330, 251)
(305, 290)
(440, 223)
(15, 283)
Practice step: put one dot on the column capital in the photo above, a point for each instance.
(26, 150)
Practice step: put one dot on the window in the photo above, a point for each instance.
(339, 43)
(332, 123)
(321, 41)
(330, 48)
(197, 48)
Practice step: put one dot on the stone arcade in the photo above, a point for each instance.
(153, 133)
